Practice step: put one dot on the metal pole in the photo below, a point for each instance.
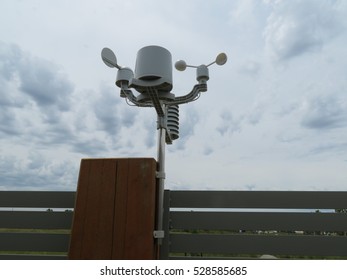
(161, 177)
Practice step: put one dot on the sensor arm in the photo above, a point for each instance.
(191, 96)
(127, 93)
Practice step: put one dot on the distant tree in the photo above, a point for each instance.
(340, 210)
(49, 210)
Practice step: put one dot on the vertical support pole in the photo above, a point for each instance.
(159, 233)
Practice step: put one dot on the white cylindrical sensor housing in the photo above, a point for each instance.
(154, 63)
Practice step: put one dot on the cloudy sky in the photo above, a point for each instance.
(274, 117)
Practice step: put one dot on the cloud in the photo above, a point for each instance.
(37, 171)
(250, 68)
(8, 123)
(208, 150)
(256, 113)
(331, 148)
(37, 78)
(150, 135)
(42, 81)
(189, 118)
(325, 112)
(91, 146)
(34, 95)
(64, 112)
(107, 112)
(228, 123)
(297, 27)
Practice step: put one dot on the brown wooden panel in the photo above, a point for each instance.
(106, 206)
(92, 210)
(96, 190)
(140, 210)
(259, 244)
(121, 201)
(77, 232)
(116, 220)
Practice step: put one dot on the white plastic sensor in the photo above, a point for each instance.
(221, 59)
(109, 58)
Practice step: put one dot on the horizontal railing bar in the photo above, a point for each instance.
(258, 221)
(35, 220)
(37, 199)
(39, 242)
(258, 199)
(32, 257)
(258, 244)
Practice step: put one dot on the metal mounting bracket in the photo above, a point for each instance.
(158, 234)
(160, 175)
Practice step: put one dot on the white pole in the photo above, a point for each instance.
(161, 175)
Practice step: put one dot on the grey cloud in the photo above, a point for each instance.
(150, 139)
(325, 112)
(8, 123)
(89, 147)
(188, 121)
(229, 123)
(256, 113)
(208, 150)
(40, 79)
(338, 148)
(57, 134)
(250, 68)
(107, 111)
(128, 116)
(34, 95)
(297, 27)
(285, 138)
(36, 172)
(10, 56)
(151, 135)
(36, 102)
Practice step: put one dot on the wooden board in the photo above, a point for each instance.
(115, 210)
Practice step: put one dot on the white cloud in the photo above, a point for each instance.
(297, 27)
(325, 112)
(228, 123)
(251, 68)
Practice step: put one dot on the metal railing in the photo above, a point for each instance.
(197, 224)
(35, 224)
(248, 224)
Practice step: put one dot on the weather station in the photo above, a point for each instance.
(150, 85)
